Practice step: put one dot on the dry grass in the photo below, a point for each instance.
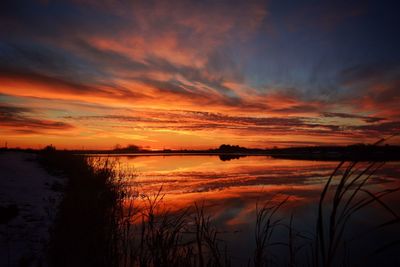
(350, 195)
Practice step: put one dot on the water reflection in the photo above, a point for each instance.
(225, 157)
(230, 189)
(193, 178)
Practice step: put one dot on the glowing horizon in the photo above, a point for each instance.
(196, 74)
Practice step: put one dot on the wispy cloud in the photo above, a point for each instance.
(19, 120)
(351, 116)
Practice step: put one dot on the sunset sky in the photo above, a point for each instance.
(196, 74)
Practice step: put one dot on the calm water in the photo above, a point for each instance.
(229, 190)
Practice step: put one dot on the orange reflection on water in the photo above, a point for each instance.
(230, 190)
(232, 187)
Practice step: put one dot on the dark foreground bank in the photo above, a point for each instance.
(28, 202)
(83, 233)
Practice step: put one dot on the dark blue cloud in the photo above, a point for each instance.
(307, 43)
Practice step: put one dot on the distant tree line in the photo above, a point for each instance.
(128, 148)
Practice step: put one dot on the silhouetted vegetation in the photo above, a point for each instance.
(8, 213)
(358, 152)
(49, 149)
(84, 229)
(127, 149)
(231, 149)
(349, 196)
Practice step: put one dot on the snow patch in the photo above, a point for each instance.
(24, 238)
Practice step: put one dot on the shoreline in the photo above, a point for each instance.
(309, 156)
(357, 152)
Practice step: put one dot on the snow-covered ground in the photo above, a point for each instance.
(23, 182)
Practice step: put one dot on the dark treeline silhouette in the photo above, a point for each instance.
(127, 149)
(352, 152)
(231, 149)
(357, 152)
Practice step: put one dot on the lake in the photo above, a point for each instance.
(229, 190)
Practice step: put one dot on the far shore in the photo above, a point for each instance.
(357, 152)
(229, 156)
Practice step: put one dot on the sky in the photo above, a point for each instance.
(195, 74)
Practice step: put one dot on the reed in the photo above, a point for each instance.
(81, 234)
(350, 195)
(265, 226)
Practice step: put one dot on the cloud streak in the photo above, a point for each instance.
(15, 119)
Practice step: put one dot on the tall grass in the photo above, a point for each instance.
(350, 195)
(159, 237)
(84, 231)
(266, 224)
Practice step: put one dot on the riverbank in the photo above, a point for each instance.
(29, 197)
(85, 229)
